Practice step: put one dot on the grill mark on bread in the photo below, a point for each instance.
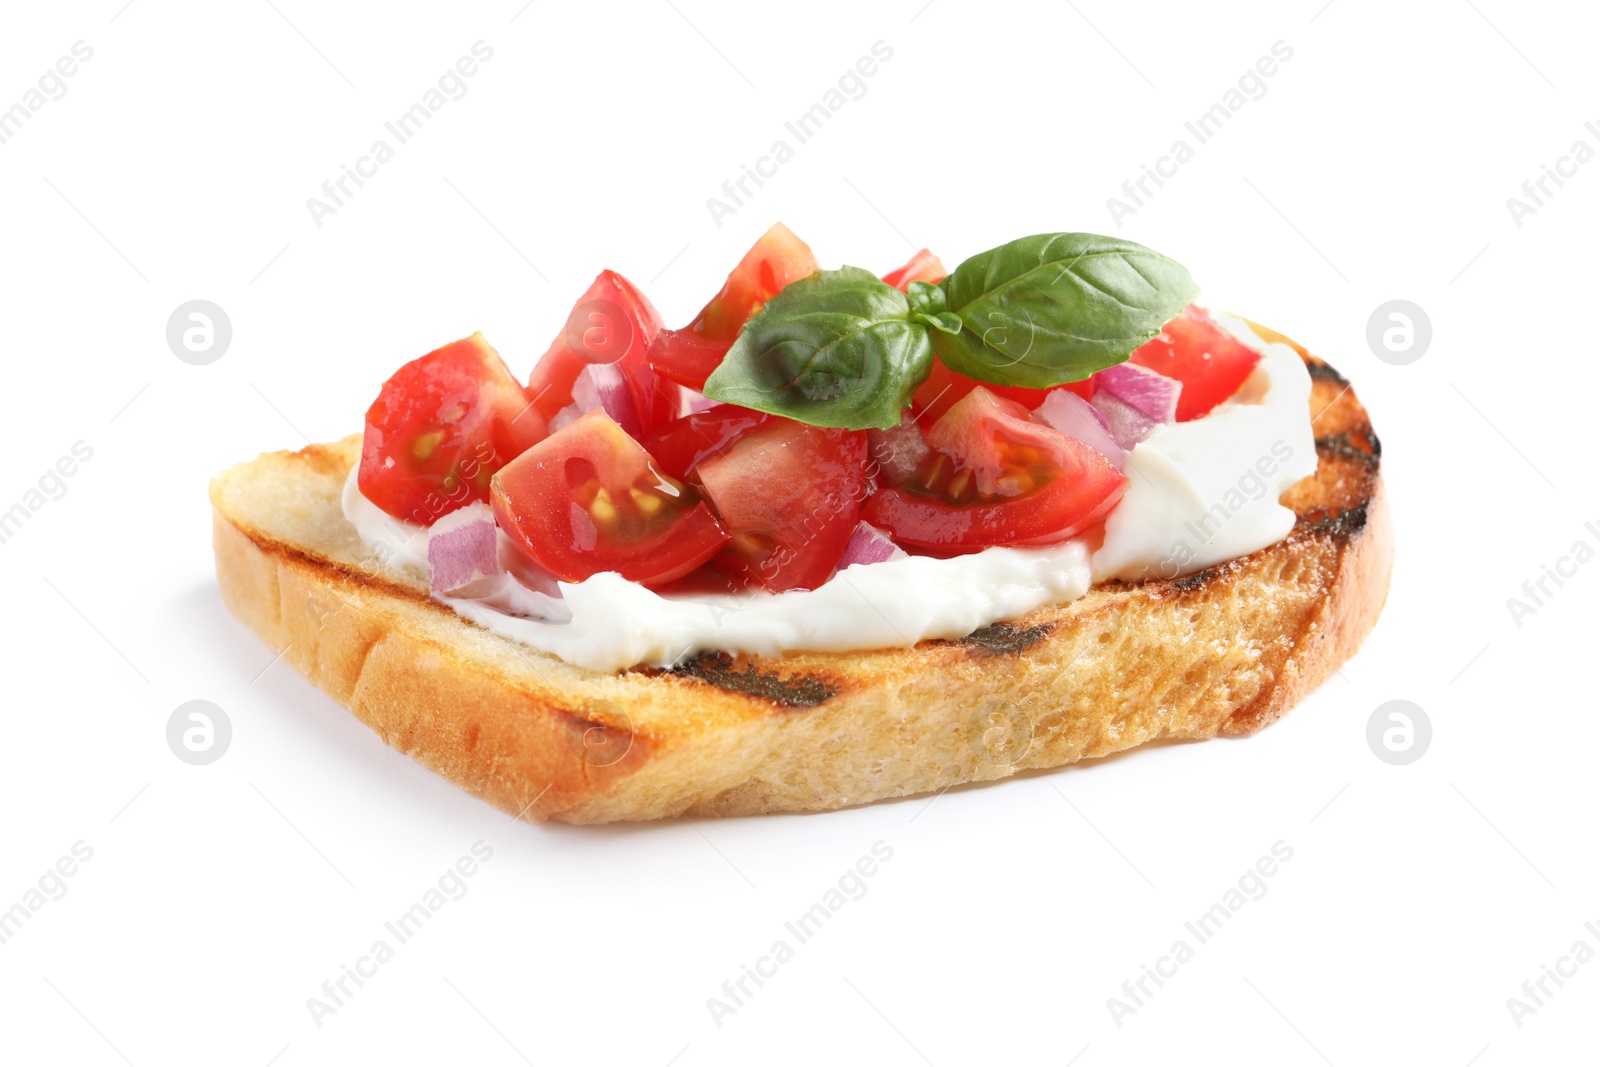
(1358, 443)
(1369, 440)
(1324, 372)
(1004, 639)
(1349, 463)
(1194, 581)
(721, 669)
(1343, 524)
(354, 575)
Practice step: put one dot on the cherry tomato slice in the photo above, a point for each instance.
(442, 424)
(679, 446)
(690, 355)
(944, 387)
(922, 267)
(1210, 362)
(996, 477)
(790, 495)
(610, 328)
(588, 499)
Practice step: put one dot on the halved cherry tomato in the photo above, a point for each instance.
(944, 387)
(610, 328)
(790, 495)
(922, 267)
(588, 499)
(1210, 362)
(690, 355)
(679, 446)
(442, 424)
(996, 477)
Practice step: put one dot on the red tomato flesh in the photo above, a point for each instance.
(922, 267)
(441, 426)
(679, 446)
(689, 355)
(898, 452)
(1210, 362)
(944, 387)
(589, 499)
(790, 495)
(611, 327)
(996, 477)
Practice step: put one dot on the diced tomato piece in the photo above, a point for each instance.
(610, 328)
(690, 355)
(712, 579)
(1210, 362)
(944, 387)
(996, 477)
(922, 267)
(589, 499)
(790, 495)
(679, 446)
(441, 426)
(897, 453)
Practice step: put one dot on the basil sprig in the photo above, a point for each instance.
(841, 348)
(838, 348)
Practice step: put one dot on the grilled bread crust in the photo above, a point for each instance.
(1223, 651)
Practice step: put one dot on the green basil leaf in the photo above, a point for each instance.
(838, 348)
(948, 321)
(929, 308)
(1056, 307)
(926, 299)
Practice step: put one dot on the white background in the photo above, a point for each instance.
(219, 898)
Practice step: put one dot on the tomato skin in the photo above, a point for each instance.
(922, 267)
(1210, 362)
(932, 524)
(943, 387)
(679, 446)
(685, 357)
(688, 356)
(440, 427)
(614, 324)
(996, 477)
(589, 499)
(790, 496)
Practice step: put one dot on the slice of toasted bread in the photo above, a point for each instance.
(1223, 651)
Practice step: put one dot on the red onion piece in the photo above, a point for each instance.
(1077, 418)
(898, 452)
(694, 403)
(869, 545)
(603, 385)
(1153, 395)
(1126, 423)
(462, 549)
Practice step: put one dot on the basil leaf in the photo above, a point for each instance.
(1056, 307)
(926, 299)
(838, 348)
(947, 321)
(929, 308)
